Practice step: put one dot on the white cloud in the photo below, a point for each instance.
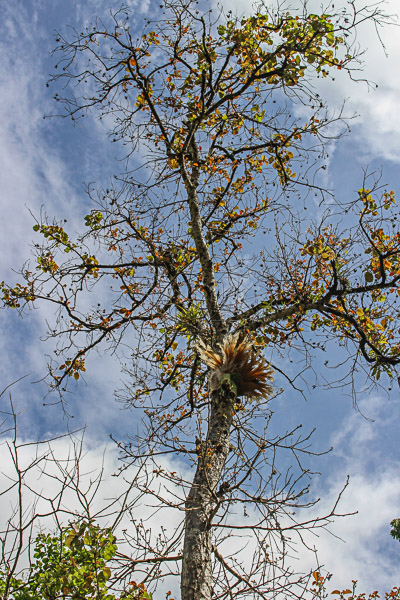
(35, 174)
(358, 547)
(376, 130)
(363, 549)
(79, 479)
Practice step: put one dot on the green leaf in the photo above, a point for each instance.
(369, 277)
(395, 532)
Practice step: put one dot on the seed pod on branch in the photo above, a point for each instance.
(236, 360)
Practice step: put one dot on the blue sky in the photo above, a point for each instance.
(45, 164)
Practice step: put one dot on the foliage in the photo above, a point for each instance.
(395, 531)
(75, 564)
(319, 590)
(225, 138)
(200, 99)
(78, 564)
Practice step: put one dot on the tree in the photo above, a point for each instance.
(45, 486)
(395, 531)
(71, 564)
(219, 155)
(79, 564)
(74, 564)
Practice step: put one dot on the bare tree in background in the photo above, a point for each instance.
(57, 521)
(201, 255)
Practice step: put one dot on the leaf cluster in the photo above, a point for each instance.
(77, 564)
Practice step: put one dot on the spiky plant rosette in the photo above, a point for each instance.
(235, 356)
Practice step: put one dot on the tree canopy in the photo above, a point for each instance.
(203, 245)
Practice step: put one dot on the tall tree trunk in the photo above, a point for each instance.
(196, 581)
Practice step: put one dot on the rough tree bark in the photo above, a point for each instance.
(196, 581)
